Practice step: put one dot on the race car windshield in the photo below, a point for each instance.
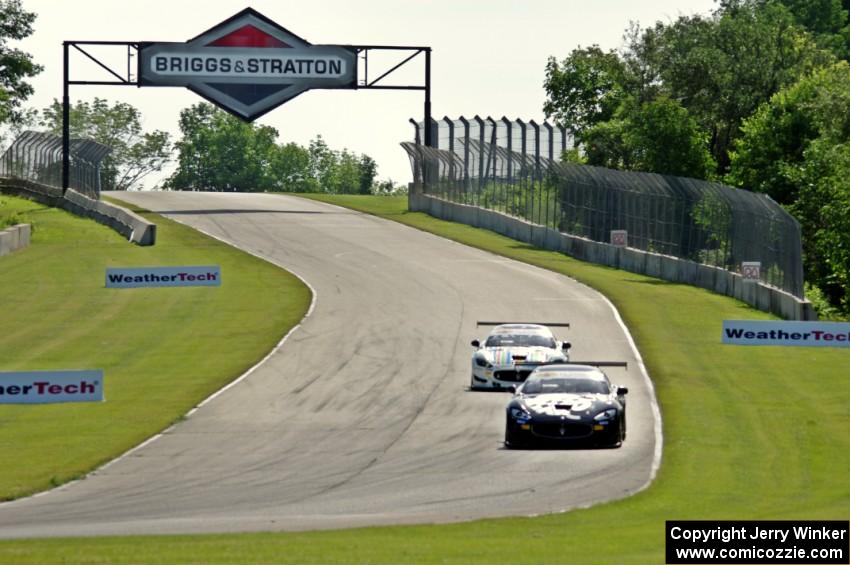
(520, 340)
(571, 385)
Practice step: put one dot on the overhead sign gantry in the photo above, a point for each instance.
(246, 65)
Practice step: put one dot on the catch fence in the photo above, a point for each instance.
(522, 175)
(37, 157)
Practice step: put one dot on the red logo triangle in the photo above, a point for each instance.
(247, 36)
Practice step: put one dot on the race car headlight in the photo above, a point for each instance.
(483, 362)
(520, 415)
(609, 414)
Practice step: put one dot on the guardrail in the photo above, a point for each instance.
(764, 297)
(14, 238)
(130, 225)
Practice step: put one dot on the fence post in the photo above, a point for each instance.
(551, 132)
(491, 155)
(537, 176)
(465, 123)
(480, 122)
(419, 167)
(452, 179)
(508, 124)
(416, 127)
(435, 134)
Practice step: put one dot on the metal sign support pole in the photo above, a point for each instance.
(428, 130)
(429, 140)
(66, 126)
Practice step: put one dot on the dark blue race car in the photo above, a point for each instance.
(566, 404)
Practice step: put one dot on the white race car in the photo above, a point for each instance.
(511, 352)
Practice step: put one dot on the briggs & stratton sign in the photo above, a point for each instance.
(247, 65)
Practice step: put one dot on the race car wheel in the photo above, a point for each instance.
(511, 439)
(616, 439)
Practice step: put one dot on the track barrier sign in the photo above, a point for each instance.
(619, 238)
(138, 277)
(751, 271)
(47, 387)
(770, 332)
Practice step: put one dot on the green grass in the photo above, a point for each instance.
(13, 211)
(162, 349)
(750, 433)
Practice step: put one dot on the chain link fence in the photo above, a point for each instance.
(37, 157)
(515, 168)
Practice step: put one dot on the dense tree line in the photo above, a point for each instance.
(222, 153)
(16, 66)
(135, 153)
(756, 95)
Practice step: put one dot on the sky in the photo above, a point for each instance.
(488, 58)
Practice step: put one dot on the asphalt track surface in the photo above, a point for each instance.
(363, 416)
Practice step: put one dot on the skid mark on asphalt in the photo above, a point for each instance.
(419, 410)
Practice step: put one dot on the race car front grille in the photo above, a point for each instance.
(512, 376)
(562, 430)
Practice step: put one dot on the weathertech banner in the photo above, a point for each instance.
(44, 387)
(163, 276)
(770, 332)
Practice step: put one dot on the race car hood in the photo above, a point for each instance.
(570, 405)
(510, 355)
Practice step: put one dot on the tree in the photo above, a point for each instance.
(658, 136)
(822, 209)
(722, 68)
(368, 170)
(664, 138)
(347, 173)
(584, 89)
(27, 119)
(775, 138)
(827, 20)
(323, 163)
(719, 69)
(291, 164)
(15, 65)
(796, 148)
(220, 152)
(605, 146)
(135, 154)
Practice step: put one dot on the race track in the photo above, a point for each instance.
(363, 416)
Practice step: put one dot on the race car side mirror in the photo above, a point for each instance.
(476, 343)
(621, 390)
(566, 345)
